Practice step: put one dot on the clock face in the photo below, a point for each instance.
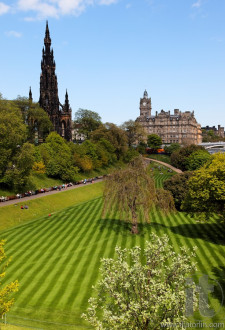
(144, 104)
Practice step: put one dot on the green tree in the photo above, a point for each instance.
(171, 148)
(179, 158)
(197, 159)
(130, 154)
(58, 158)
(86, 121)
(177, 185)
(134, 131)
(142, 293)
(210, 136)
(38, 123)
(6, 300)
(12, 133)
(141, 148)
(39, 167)
(132, 192)
(154, 141)
(115, 135)
(16, 156)
(206, 190)
(18, 171)
(108, 149)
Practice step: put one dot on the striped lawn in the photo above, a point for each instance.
(56, 259)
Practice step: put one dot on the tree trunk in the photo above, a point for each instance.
(134, 229)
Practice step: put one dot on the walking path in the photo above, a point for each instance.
(52, 192)
(25, 199)
(165, 164)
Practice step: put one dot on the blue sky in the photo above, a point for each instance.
(108, 52)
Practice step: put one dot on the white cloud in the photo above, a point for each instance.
(13, 34)
(72, 6)
(197, 4)
(41, 8)
(4, 8)
(56, 8)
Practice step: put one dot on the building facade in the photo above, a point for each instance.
(59, 114)
(217, 131)
(179, 127)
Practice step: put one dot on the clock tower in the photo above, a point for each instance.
(145, 106)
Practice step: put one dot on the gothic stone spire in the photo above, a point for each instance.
(49, 100)
(30, 95)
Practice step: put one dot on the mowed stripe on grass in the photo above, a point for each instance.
(56, 259)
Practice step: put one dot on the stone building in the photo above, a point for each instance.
(179, 127)
(217, 131)
(59, 114)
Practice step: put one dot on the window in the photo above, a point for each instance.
(63, 129)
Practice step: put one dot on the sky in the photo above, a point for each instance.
(108, 52)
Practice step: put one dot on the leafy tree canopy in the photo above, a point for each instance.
(142, 293)
(35, 117)
(154, 141)
(197, 159)
(115, 135)
(16, 156)
(86, 121)
(210, 136)
(58, 158)
(171, 148)
(132, 192)
(134, 130)
(206, 190)
(177, 185)
(141, 148)
(179, 157)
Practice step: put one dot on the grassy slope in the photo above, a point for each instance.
(42, 181)
(39, 181)
(12, 327)
(56, 259)
(162, 158)
(12, 215)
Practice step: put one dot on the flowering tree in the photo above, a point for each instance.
(142, 295)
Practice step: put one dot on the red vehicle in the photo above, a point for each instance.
(155, 151)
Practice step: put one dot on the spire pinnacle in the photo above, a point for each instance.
(30, 95)
(66, 98)
(47, 35)
(66, 105)
(145, 94)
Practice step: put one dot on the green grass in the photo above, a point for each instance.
(42, 181)
(56, 259)
(38, 181)
(162, 158)
(160, 173)
(12, 215)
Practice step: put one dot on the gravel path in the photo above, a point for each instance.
(52, 192)
(165, 164)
